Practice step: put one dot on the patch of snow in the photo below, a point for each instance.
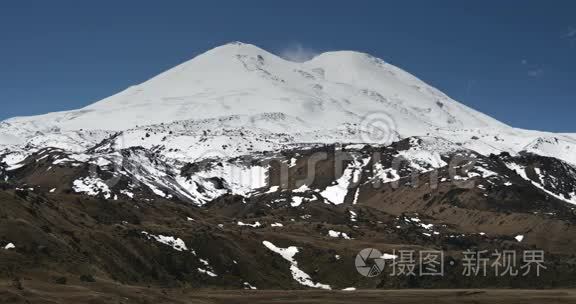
(356, 195)
(420, 158)
(426, 226)
(127, 193)
(351, 175)
(92, 186)
(356, 146)
(207, 272)
(353, 216)
(296, 201)
(387, 175)
(273, 189)
(298, 275)
(337, 193)
(301, 189)
(176, 243)
(387, 256)
(255, 225)
(336, 234)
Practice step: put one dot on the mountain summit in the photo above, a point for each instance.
(242, 79)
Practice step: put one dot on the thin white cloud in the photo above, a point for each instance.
(470, 86)
(570, 35)
(298, 53)
(536, 72)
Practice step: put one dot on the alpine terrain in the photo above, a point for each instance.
(241, 170)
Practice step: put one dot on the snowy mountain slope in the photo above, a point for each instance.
(554, 146)
(241, 79)
(238, 95)
(146, 174)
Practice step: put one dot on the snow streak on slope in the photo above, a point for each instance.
(300, 276)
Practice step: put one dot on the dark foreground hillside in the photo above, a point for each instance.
(59, 246)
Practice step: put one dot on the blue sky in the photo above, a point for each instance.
(514, 60)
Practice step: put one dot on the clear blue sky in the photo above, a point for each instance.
(514, 60)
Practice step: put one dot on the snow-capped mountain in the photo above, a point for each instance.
(242, 86)
(242, 79)
(239, 169)
(238, 100)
